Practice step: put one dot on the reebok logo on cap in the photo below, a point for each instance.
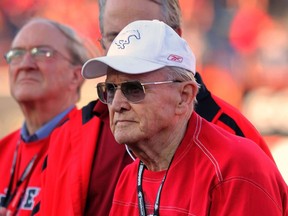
(175, 58)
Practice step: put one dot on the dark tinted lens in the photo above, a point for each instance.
(106, 92)
(133, 91)
(110, 92)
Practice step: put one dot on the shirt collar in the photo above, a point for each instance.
(46, 129)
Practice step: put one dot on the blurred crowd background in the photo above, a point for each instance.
(241, 48)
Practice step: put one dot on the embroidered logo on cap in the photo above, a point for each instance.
(175, 58)
(121, 43)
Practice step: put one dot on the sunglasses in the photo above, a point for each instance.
(133, 91)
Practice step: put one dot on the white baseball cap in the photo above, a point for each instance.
(141, 47)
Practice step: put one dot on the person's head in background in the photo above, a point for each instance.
(114, 15)
(45, 63)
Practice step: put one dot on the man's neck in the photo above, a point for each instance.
(36, 116)
(158, 154)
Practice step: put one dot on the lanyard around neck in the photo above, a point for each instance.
(141, 200)
(24, 177)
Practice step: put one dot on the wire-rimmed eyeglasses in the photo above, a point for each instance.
(39, 53)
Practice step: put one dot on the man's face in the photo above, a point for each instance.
(155, 114)
(119, 13)
(35, 80)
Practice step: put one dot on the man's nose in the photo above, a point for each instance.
(119, 101)
(27, 59)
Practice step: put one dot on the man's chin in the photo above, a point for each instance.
(25, 98)
(121, 139)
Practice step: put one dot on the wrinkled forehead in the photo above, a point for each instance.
(36, 33)
(119, 13)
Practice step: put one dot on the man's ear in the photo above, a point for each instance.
(188, 93)
(77, 78)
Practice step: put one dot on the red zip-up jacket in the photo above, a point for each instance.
(71, 154)
(217, 111)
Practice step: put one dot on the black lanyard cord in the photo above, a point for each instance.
(26, 173)
(12, 173)
(141, 200)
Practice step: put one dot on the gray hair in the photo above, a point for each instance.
(79, 48)
(170, 11)
(181, 74)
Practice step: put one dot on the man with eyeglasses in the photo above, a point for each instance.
(185, 165)
(45, 63)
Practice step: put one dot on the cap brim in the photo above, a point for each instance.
(131, 65)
